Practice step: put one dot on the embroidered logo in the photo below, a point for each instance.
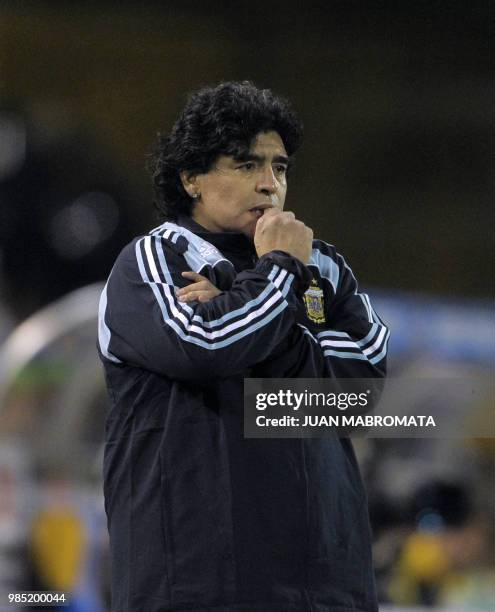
(207, 250)
(313, 300)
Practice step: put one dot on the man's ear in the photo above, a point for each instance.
(190, 183)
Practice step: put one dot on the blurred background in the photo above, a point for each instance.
(397, 170)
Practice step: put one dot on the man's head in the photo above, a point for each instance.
(226, 155)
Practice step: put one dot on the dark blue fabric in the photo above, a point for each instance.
(201, 518)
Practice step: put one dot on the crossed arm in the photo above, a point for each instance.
(359, 351)
(200, 289)
(198, 331)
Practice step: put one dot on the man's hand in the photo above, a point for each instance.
(201, 290)
(281, 231)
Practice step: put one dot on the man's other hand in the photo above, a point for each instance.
(201, 290)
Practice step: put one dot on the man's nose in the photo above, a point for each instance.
(266, 181)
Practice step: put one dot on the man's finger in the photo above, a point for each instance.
(200, 296)
(193, 275)
(202, 285)
(271, 212)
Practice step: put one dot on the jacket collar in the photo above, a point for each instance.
(225, 242)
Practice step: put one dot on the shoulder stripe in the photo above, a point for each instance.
(327, 266)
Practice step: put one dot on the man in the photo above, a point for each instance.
(230, 286)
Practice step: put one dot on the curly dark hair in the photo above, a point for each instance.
(221, 120)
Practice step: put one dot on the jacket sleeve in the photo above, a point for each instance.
(297, 356)
(142, 323)
(354, 339)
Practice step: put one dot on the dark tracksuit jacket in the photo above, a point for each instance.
(199, 517)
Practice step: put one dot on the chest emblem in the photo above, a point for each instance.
(313, 300)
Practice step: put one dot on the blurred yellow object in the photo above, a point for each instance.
(424, 558)
(423, 562)
(58, 546)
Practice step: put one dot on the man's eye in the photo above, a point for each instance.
(280, 169)
(247, 166)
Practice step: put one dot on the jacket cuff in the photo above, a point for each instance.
(302, 274)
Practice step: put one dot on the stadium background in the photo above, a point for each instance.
(397, 171)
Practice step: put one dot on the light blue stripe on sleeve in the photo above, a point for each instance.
(227, 317)
(327, 266)
(361, 343)
(383, 352)
(104, 334)
(222, 343)
(218, 344)
(344, 355)
(328, 333)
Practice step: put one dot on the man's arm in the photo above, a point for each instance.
(298, 355)
(354, 341)
(142, 322)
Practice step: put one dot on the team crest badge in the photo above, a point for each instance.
(313, 300)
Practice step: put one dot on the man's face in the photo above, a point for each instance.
(235, 193)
